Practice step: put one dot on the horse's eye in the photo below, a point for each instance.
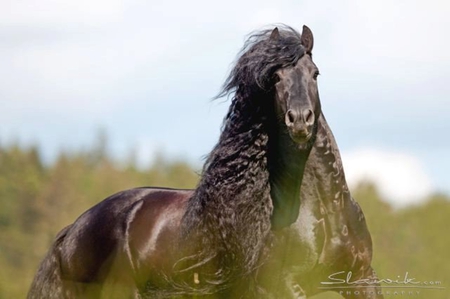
(276, 78)
(316, 74)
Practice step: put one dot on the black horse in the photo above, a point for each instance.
(166, 243)
(329, 247)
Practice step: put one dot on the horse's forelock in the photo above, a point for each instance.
(260, 57)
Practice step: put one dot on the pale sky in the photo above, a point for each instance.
(146, 71)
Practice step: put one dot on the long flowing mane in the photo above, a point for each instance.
(229, 213)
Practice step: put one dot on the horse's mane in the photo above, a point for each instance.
(260, 57)
(228, 216)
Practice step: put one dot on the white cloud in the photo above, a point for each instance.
(146, 151)
(59, 12)
(400, 177)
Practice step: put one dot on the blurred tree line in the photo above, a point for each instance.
(37, 200)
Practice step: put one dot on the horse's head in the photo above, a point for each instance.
(277, 65)
(297, 98)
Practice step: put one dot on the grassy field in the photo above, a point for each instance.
(37, 200)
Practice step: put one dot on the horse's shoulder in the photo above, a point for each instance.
(153, 228)
(159, 205)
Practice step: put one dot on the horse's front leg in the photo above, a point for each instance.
(298, 292)
(292, 288)
(283, 285)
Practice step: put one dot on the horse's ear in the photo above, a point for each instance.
(275, 35)
(307, 39)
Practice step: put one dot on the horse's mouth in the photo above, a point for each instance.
(301, 137)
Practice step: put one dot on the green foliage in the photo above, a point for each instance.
(413, 240)
(37, 200)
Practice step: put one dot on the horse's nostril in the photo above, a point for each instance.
(308, 115)
(291, 117)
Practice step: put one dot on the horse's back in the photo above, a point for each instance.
(95, 249)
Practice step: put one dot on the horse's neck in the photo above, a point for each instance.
(325, 172)
(326, 199)
(287, 165)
